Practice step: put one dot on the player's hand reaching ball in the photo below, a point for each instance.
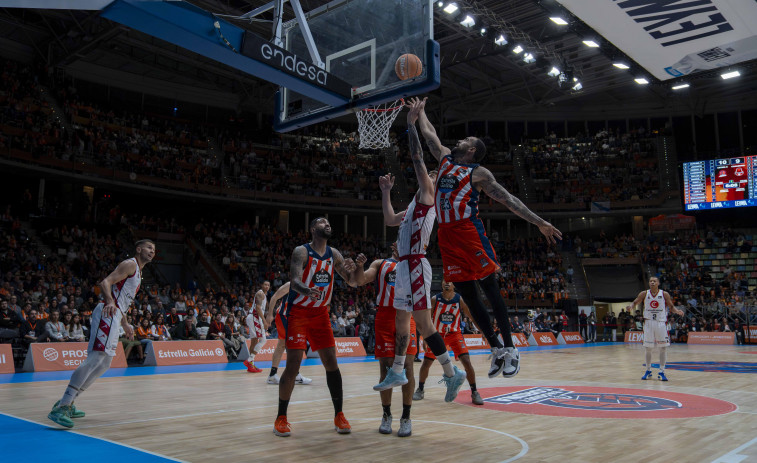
(386, 182)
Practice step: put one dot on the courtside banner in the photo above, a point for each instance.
(716, 337)
(634, 336)
(266, 353)
(569, 337)
(60, 356)
(6, 359)
(349, 347)
(519, 340)
(674, 38)
(162, 353)
(542, 339)
(475, 341)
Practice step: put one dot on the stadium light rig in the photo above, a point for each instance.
(450, 8)
(591, 43)
(529, 58)
(730, 75)
(554, 72)
(641, 81)
(680, 86)
(621, 65)
(517, 49)
(468, 21)
(500, 40)
(559, 21)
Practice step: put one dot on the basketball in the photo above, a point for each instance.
(408, 66)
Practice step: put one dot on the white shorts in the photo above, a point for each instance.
(656, 334)
(104, 331)
(255, 325)
(406, 296)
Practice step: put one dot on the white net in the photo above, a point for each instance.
(373, 124)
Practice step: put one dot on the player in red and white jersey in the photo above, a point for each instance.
(448, 308)
(468, 258)
(280, 319)
(310, 289)
(413, 283)
(656, 305)
(118, 289)
(257, 326)
(382, 272)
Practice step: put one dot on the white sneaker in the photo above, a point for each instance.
(273, 379)
(512, 362)
(301, 380)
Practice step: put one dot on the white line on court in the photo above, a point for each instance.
(524, 448)
(100, 438)
(733, 456)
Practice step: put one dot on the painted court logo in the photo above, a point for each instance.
(600, 402)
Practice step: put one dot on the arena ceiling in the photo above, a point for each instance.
(479, 80)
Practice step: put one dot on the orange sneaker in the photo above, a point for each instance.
(247, 364)
(281, 427)
(341, 424)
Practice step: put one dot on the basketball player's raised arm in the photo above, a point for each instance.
(299, 256)
(363, 277)
(124, 270)
(391, 218)
(429, 134)
(485, 179)
(344, 267)
(426, 186)
(281, 292)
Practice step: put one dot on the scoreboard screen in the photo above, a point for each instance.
(720, 183)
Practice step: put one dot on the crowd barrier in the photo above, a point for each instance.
(751, 335)
(520, 340)
(265, 354)
(345, 347)
(634, 336)
(716, 337)
(61, 356)
(6, 359)
(542, 339)
(162, 353)
(569, 337)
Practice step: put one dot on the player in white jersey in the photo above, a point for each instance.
(118, 290)
(656, 305)
(257, 325)
(413, 281)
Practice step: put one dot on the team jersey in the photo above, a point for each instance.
(125, 290)
(263, 307)
(654, 306)
(415, 229)
(385, 278)
(456, 198)
(447, 314)
(318, 274)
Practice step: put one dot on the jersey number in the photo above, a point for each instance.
(446, 205)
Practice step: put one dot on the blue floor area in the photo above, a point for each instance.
(145, 371)
(29, 441)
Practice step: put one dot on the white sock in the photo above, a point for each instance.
(69, 396)
(399, 364)
(649, 357)
(663, 358)
(446, 363)
(251, 358)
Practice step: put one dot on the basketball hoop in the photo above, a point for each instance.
(373, 123)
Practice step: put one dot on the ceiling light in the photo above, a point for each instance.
(621, 65)
(554, 72)
(529, 58)
(500, 40)
(641, 81)
(517, 49)
(730, 75)
(468, 21)
(440, 4)
(680, 86)
(591, 43)
(483, 31)
(578, 86)
(451, 8)
(559, 21)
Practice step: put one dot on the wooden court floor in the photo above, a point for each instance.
(228, 415)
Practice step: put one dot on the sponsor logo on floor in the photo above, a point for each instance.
(599, 402)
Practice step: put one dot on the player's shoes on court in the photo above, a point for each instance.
(61, 414)
(281, 427)
(341, 424)
(301, 380)
(661, 376)
(418, 394)
(247, 364)
(512, 362)
(73, 411)
(476, 398)
(498, 362)
(647, 375)
(273, 379)
(406, 428)
(391, 380)
(454, 383)
(386, 424)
